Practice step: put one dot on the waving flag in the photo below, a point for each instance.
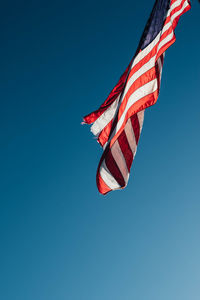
(117, 124)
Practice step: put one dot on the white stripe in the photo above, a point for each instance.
(140, 115)
(159, 64)
(105, 118)
(130, 136)
(107, 177)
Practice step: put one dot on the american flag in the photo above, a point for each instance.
(117, 124)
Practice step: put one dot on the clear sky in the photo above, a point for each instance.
(60, 239)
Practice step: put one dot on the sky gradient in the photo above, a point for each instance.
(60, 239)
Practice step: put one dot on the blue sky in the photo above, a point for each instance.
(60, 239)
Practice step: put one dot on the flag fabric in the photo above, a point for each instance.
(117, 124)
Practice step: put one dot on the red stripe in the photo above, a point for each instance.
(136, 127)
(101, 185)
(113, 168)
(172, 2)
(126, 150)
(104, 134)
(162, 59)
